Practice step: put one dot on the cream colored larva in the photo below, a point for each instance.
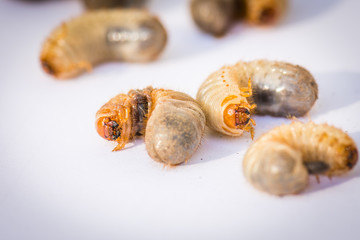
(225, 104)
(280, 161)
(172, 122)
(130, 35)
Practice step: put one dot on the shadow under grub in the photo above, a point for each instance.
(215, 146)
(336, 90)
(325, 182)
(302, 10)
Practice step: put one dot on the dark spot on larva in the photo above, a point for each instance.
(263, 97)
(316, 167)
(352, 156)
(111, 130)
(47, 67)
(267, 15)
(242, 116)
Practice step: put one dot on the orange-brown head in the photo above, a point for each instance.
(237, 116)
(108, 128)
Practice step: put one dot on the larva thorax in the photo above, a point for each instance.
(225, 103)
(124, 116)
(280, 161)
(131, 35)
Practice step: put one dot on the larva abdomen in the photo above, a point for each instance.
(224, 103)
(280, 88)
(172, 122)
(174, 131)
(213, 16)
(76, 46)
(280, 161)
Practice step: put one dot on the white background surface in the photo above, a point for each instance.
(60, 180)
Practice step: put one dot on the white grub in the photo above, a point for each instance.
(130, 35)
(280, 161)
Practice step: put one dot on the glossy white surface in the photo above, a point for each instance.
(60, 180)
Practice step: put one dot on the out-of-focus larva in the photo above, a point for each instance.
(96, 4)
(224, 103)
(216, 16)
(172, 122)
(280, 161)
(264, 11)
(97, 36)
(280, 88)
(213, 16)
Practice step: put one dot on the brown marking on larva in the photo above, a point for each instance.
(352, 156)
(47, 67)
(268, 15)
(316, 167)
(111, 130)
(242, 116)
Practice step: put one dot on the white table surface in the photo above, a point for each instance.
(60, 180)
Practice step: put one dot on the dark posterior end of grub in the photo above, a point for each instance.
(263, 97)
(267, 15)
(316, 167)
(352, 156)
(47, 67)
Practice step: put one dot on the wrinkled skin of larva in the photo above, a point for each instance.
(213, 16)
(280, 161)
(96, 4)
(280, 89)
(174, 131)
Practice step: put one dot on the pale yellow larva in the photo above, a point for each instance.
(172, 122)
(280, 161)
(224, 103)
(131, 35)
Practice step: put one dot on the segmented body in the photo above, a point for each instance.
(280, 161)
(98, 36)
(225, 104)
(172, 122)
(280, 88)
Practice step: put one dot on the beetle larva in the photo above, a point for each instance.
(95, 4)
(280, 88)
(224, 103)
(213, 16)
(264, 11)
(131, 35)
(280, 161)
(172, 122)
